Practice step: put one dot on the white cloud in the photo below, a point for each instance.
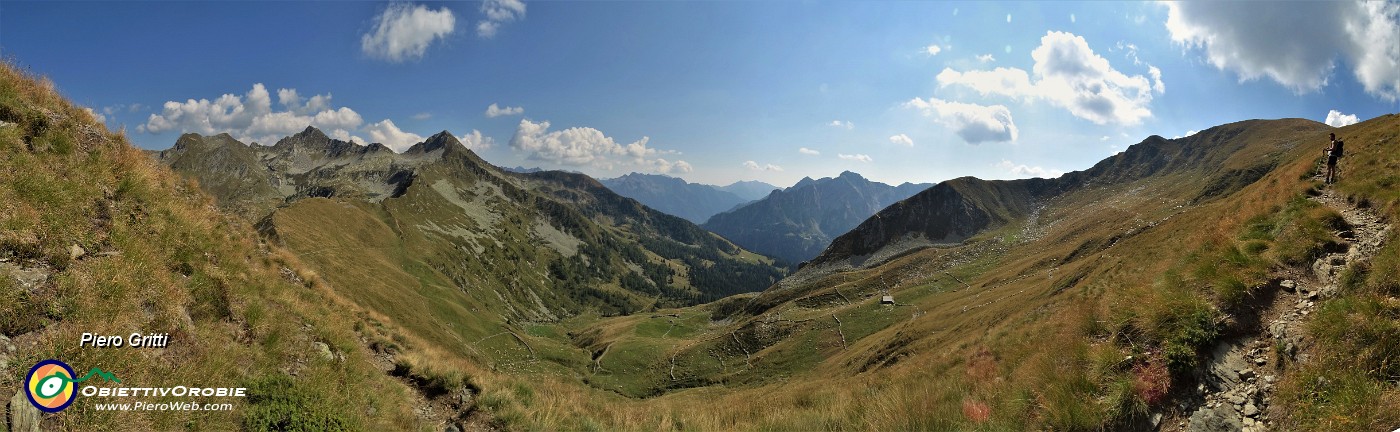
(842, 124)
(765, 167)
(903, 140)
(933, 49)
(422, 116)
(387, 133)
(1072, 19)
(1296, 46)
(118, 108)
(1130, 51)
(1028, 171)
(1337, 119)
(296, 104)
(974, 123)
(855, 157)
(498, 12)
(665, 167)
(250, 118)
(476, 141)
(96, 115)
(1070, 75)
(809, 152)
(579, 146)
(494, 111)
(986, 58)
(1157, 85)
(1187, 134)
(404, 32)
(1008, 18)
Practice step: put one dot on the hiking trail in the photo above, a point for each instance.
(1239, 384)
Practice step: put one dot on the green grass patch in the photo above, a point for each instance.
(278, 403)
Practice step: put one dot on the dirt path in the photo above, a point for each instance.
(1240, 383)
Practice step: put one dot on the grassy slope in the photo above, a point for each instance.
(1028, 332)
(1039, 339)
(160, 259)
(1354, 381)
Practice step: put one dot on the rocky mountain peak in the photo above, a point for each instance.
(441, 140)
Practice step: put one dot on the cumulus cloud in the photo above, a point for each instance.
(1337, 119)
(1297, 46)
(1028, 171)
(933, 49)
(665, 167)
(387, 133)
(855, 157)
(754, 166)
(96, 115)
(986, 58)
(498, 12)
(404, 32)
(974, 123)
(494, 111)
(842, 124)
(1068, 74)
(1187, 134)
(903, 140)
(476, 141)
(809, 152)
(251, 118)
(579, 146)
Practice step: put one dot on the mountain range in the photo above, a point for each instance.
(1212, 282)
(796, 223)
(691, 201)
(438, 217)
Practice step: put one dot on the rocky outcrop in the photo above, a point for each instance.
(23, 416)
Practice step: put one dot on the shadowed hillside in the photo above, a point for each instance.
(796, 223)
(691, 201)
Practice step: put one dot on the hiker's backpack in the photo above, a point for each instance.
(1337, 149)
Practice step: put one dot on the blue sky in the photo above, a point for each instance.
(716, 92)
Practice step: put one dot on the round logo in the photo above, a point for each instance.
(50, 386)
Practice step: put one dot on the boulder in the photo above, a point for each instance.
(24, 417)
(325, 351)
(1222, 419)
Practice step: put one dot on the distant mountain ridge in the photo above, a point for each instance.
(693, 201)
(797, 223)
(750, 190)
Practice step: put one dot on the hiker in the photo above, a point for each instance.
(1334, 152)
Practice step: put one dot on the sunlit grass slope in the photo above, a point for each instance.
(157, 258)
(1096, 313)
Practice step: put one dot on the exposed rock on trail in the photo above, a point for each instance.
(1240, 385)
